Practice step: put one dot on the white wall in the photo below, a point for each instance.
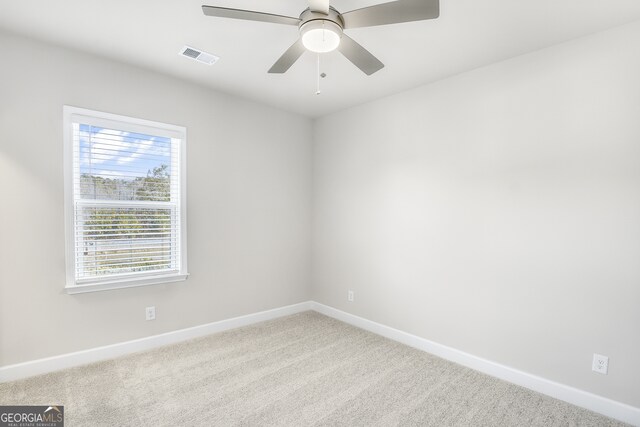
(496, 212)
(249, 187)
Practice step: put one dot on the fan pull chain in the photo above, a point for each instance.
(318, 75)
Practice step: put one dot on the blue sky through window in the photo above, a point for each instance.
(121, 155)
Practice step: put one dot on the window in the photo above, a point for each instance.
(125, 204)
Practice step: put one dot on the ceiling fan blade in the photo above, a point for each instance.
(393, 12)
(249, 15)
(359, 56)
(288, 58)
(320, 6)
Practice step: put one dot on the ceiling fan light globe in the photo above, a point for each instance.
(320, 36)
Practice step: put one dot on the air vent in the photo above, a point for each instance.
(198, 55)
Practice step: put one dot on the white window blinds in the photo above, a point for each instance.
(127, 205)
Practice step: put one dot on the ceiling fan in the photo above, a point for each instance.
(321, 28)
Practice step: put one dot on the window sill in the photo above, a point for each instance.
(124, 283)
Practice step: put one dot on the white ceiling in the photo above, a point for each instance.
(468, 34)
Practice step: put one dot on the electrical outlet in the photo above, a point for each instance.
(600, 364)
(350, 296)
(151, 313)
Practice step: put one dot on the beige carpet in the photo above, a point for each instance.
(305, 369)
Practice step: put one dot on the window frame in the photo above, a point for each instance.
(129, 124)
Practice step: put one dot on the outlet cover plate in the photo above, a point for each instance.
(600, 364)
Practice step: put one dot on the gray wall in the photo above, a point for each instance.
(249, 187)
(496, 212)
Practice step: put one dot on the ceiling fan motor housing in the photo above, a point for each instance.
(334, 16)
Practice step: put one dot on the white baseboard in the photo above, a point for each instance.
(63, 361)
(599, 404)
(602, 405)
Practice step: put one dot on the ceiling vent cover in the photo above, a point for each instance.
(198, 55)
